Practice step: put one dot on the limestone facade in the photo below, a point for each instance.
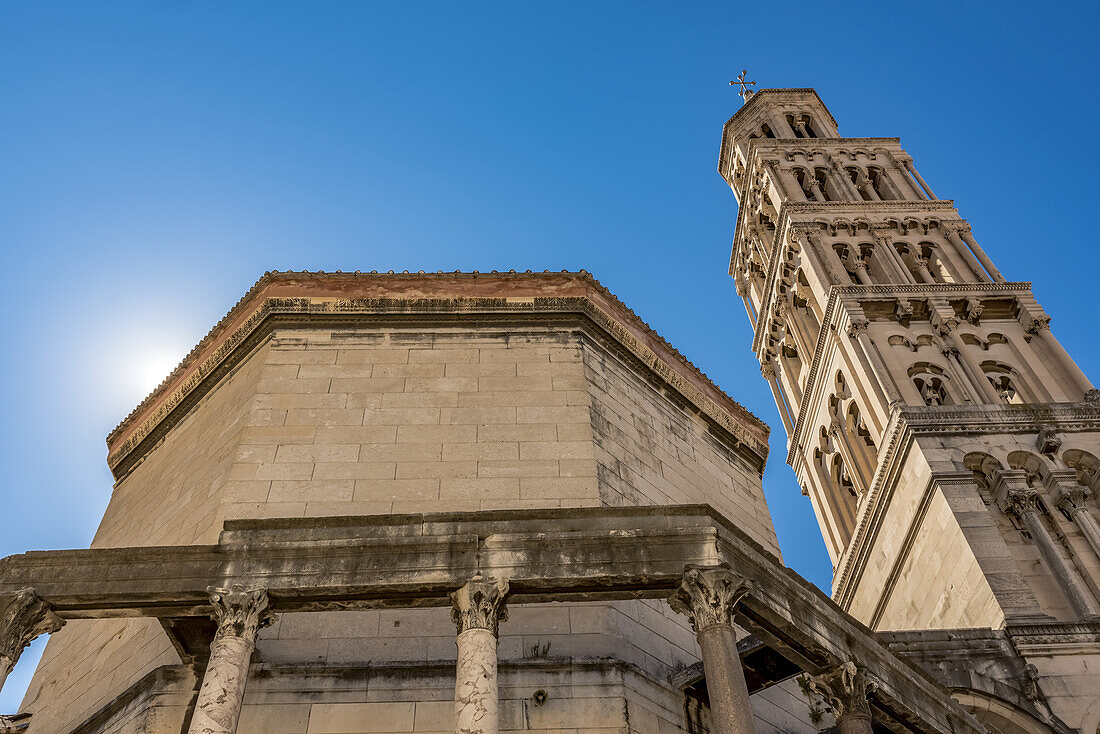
(375, 395)
(947, 442)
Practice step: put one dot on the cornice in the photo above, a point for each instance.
(907, 424)
(258, 313)
(948, 289)
(887, 205)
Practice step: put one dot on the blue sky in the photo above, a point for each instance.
(156, 158)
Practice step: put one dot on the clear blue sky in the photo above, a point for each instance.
(156, 158)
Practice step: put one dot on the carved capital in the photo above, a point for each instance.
(944, 325)
(857, 327)
(24, 616)
(845, 689)
(480, 605)
(240, 612)
(1018, 500)
(709, 595)
(1071, 497)
(767, 370)
(1038, 325)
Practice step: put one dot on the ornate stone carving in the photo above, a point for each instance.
(709, 595)
(974, 309)
(845, 689)
(1038, 325)
(857, 327)
(24, 616)
(1071, 497)
(1019, 500)
(240, 612)
(1048, 441)
(480, 605)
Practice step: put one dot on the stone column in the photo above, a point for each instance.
(477, 611)
(708, 597)
(1020, 500)
(966, 243)
(968, 238)
(1071, 497)
(240, 614)
(767, 371)
(845, 689)
(908, 164)
(24, 616)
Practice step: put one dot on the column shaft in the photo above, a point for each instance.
(708, 596)
(476, 696)
(731, 712)
(1067, 578)
(218, 707)
(1089, 527)
(240, 614)
(477, 610)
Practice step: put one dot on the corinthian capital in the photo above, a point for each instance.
(240, 612)
(845, 689)
(480, 605)
(857, 327)
(1071, 497)
(708, 595)
(24, 616)
(1019, 500)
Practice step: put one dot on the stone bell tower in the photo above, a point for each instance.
(946, 440)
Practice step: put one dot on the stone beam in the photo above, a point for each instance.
(317, 564)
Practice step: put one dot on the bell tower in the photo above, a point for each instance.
(947, 442)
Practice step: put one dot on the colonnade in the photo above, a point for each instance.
(708, 595)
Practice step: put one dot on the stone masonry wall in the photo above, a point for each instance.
(324, 422)
(171, 498)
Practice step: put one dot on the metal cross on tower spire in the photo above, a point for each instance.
(745, 92)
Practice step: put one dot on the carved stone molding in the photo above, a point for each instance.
(709, 595)
(240, 612)
(480, 605)
(24, 616)
(845, 689)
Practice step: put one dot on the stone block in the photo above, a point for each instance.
(360, 718)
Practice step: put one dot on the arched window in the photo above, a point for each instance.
(931, 384)
(1004, 380)
(1086, 465)
(879, 183)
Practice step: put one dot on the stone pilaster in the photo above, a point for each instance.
(845, 689)
(477, 610)
(23, 616)
(709, 596)
(240, 613)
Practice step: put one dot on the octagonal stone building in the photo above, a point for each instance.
(322, 395)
